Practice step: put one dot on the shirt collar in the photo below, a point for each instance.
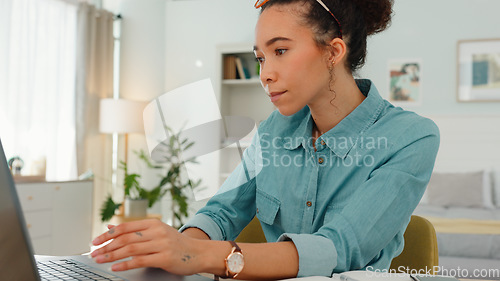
(341, 138)
(302, 134)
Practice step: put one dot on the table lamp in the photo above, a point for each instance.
(122, 117)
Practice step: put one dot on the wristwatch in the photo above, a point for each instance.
(234, 261)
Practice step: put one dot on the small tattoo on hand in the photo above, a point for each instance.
(106, 256)
(139, 234)
(111, 231)
(186, 258)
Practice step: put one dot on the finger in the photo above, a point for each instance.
(123, 228)
(110, 226)
(122, 240)
(154, 260)
(104, 237)
(137, 262)
(130, 250)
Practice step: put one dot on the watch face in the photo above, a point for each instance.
(235, 262)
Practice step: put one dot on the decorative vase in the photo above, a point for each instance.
(136, 207)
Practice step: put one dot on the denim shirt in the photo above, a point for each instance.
(345, 205)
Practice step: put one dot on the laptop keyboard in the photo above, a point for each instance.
(71, 270)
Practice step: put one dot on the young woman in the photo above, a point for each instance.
(333, 175)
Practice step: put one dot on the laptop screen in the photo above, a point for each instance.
(16, 258)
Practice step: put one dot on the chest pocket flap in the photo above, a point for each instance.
(267, 207)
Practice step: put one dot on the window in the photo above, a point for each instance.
(37, 84)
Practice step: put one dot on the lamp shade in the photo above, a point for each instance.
(121, 116)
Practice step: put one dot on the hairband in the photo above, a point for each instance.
(260, 3)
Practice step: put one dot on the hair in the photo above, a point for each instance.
(357, 18)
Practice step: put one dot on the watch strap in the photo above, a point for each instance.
(235, 247)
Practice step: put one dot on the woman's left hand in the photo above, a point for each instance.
(150, 243)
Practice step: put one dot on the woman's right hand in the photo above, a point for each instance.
(150, 243)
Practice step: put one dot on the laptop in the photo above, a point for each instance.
(17, 261)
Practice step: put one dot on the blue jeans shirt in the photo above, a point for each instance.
(346, 205)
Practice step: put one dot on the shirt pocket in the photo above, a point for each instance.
(267, 207)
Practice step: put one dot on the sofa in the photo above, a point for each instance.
(465, 211)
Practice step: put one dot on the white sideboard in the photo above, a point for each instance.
(58, 215)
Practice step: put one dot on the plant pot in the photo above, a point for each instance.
(136, 207)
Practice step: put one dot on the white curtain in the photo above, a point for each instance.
(94, 81)
(37, 83)
(56, 63)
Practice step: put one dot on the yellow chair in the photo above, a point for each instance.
(420, 251)
(252, 233)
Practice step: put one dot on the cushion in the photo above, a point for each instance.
(468, 189)
(488, 199)
(496, 186)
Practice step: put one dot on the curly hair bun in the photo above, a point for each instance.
(377, 14)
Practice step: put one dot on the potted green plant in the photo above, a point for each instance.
(171, 181)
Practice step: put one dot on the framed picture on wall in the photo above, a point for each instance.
(405, 81)
(478, 70)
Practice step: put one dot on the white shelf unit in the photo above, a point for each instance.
(239, 97)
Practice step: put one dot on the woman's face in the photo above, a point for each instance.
(293, 69)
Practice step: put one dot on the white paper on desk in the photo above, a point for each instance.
(365, 275)
(311, 278)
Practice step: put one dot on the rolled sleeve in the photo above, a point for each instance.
(317, 254)
(206, 224)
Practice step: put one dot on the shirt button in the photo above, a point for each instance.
(320, 160)
(309, 203)
(323, 142)
(257, 210)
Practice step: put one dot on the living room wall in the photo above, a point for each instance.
(429, 30)
(195, 28)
